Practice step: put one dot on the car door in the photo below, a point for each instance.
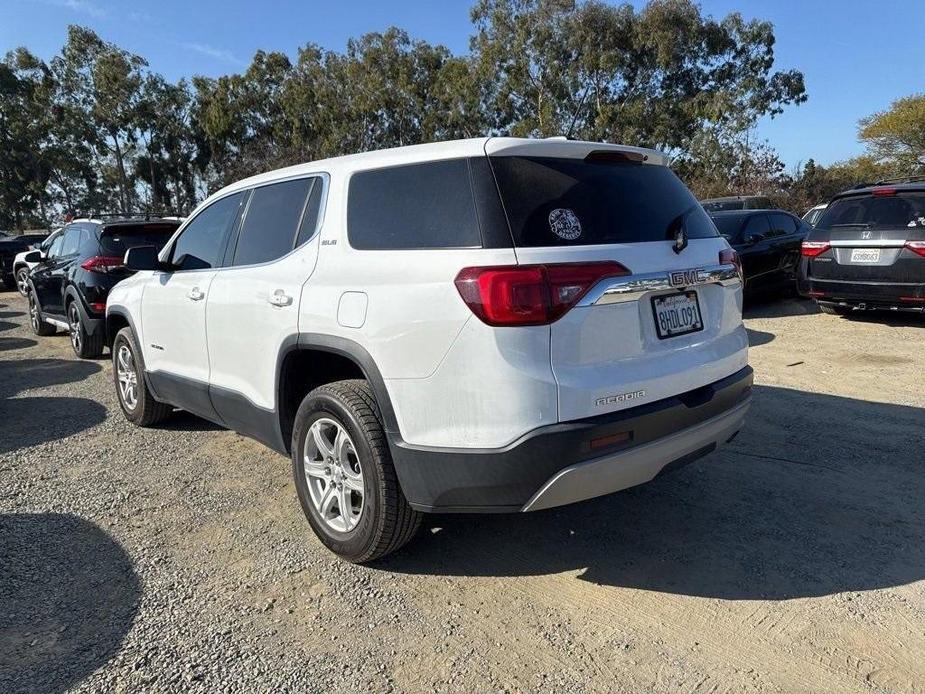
(253, 304)
(754, 250)
(173, 308)
(48, 276)
(785, 244)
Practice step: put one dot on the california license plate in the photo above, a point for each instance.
(676, 314)
(865, 255)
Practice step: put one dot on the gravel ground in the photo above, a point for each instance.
(177, 559)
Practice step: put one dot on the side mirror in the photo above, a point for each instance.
(34, 257)
(142, 258)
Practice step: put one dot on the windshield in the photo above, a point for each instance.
(876, 211)
(556, 201)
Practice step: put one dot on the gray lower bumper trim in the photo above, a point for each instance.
(636, 466)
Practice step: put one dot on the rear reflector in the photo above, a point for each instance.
(102, 263)
(913, 299)
(883, 192)
(529, 294)
(810, 249)
(917, 247)
(729, 256)
(815, 293)
(612, 440)
(98, 306)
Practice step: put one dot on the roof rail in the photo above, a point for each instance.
(901, 179)
(146, 216)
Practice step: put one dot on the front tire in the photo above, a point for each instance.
(344, 475)
(85, 346)
(136, 401)
(38, 325)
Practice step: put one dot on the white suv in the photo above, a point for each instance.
(483, 325)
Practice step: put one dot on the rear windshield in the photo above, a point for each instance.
(875, 212)
(118, 239)
(574, 202)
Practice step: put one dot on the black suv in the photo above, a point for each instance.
(70, 283)
(867, 251)
(10, 246)
(768, 243)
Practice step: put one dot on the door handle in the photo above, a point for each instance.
(279, 298)
(196, 294)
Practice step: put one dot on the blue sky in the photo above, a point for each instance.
(857, 55)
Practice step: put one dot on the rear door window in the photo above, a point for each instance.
(782, 225)
(71, 240)
(757, 227)
(201, 244)
(568, 202)
(427, 205)
(271, 222)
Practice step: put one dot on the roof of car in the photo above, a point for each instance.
(733, 198)
(436, 151)
(129, 219)
(743, 213)
(902, 185)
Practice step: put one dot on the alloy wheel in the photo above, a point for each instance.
(33, 313)
(127, 377)
(22, 281)
(73, 321)
(333, 474)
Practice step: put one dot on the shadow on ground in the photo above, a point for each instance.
(756, 338)
(8, 344)
(28, 421)
(68, 596)
(779, 308)
(11, 314)
(818, 495)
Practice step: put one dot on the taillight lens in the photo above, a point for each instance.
(529, 294)
(729, 256)
(917, 247)
(810, 249)
(103, 263)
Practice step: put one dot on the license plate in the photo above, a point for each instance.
(865, 255)
(676, 314)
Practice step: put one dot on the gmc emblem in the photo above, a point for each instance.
(684, 278)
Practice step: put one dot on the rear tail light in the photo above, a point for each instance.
(728, 256)
(913, 299)
(883, 192)
(810, 249)
(529, 294)
(98, 306)
(917, 247)
(103, 263)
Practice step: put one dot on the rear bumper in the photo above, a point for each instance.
(563, 463)
(906, 295)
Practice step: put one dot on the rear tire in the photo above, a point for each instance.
(22, 281)
(348, 411)
(39, 326)
(834, 310)
(136, 401)
(85, 346)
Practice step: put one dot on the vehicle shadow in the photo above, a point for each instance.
(181, 420)
(28, 421)
(6, 325)
(818, 495)
(68, 597)
(892, 319)
(780, 308)
(11, 314)
(8, 344)
(756, 338)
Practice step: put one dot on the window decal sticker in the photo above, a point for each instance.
(564, 224)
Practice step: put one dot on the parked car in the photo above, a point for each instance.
(867, 250)
(737, 202)
(768, 243)
(22, 267)
(71, 280)
(10, 247)
(814, 213)
(421, 338)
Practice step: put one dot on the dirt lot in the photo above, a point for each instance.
(178, 558)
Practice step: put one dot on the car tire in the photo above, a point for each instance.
(85, 346)
(39, 326)
(834, 310)
(140, 408)
(361, 461)
(22, 280)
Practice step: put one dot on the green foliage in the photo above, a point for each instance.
(897, 136)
